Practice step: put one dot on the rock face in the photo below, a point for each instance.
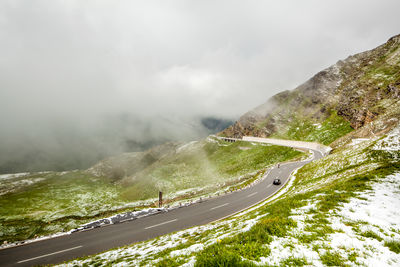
(354, 88)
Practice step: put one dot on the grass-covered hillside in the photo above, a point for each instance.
(49, 202)
(324, 132)
(44, 203)
(200, 166)
(339, 211)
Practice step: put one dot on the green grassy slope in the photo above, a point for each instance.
(56, 202)
(299, 228)
(307, 129)
(46, 203)
(329, 183)
(204, 164)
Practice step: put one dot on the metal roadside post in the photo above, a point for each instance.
(159, 199)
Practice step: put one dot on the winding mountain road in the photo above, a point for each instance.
(67, 247)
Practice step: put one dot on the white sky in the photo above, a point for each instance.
(174, 57)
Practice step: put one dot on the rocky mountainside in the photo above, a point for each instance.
(356, 90)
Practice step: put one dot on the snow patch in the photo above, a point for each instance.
(375, 210)
(187, 251)
(356, 141)
(13, 175)
(127, 216)
(380, 206)
(317, 125)
(391, 142)
(9, 185)
(185, 146)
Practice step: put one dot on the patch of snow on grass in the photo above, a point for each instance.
(382, 76)
(391, 142)
(299, 215)
(379, 206)
(13, 175)
(187, 251)
(283, 248)
(9, 185)
(212, 139)
(190, 263)
(356, 141)
(317, 125)
(185, 146)
(379, 212)
(375, 210)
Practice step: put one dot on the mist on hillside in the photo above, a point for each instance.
(68, 146)
(83, 80)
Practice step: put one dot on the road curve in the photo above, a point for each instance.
(57, 250)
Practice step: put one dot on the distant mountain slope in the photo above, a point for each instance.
(70, 147)
(355, 90)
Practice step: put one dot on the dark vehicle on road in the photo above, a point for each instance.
(277, 181)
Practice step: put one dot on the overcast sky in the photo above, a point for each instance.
(76, 62)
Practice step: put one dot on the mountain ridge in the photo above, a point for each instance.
(352, 88)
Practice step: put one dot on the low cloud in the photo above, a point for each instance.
(82, 77)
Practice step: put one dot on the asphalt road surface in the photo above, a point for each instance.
(59, 249)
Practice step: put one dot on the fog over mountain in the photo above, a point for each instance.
(82, 80)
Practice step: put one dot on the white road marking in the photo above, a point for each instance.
(269, 185)
(252, 194)
(219, 206)
(161, 224)
(57, 252)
